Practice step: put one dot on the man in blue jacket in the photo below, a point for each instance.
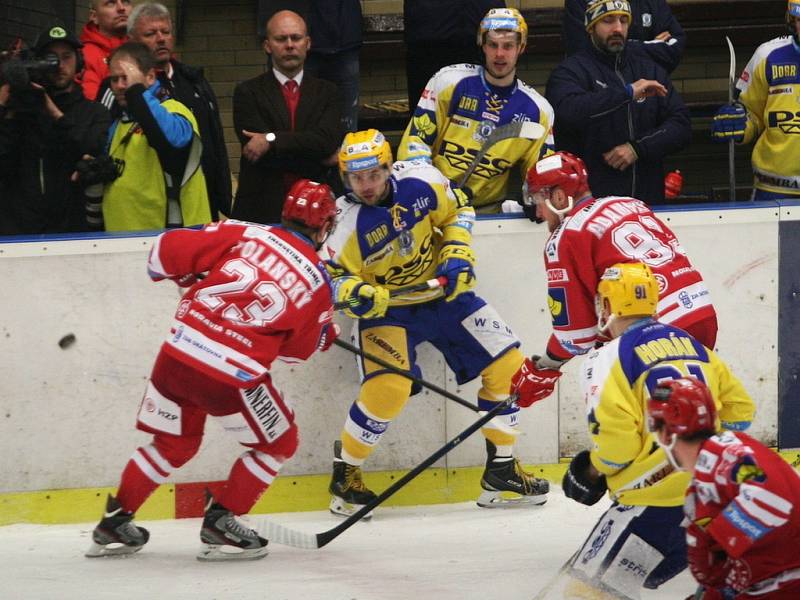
(653, 28)
(617, 109)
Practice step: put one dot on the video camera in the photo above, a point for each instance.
(18, 68)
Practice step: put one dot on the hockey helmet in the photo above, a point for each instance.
(631, 290)
(681, 406)
(793, 9)
(504, 19)
(561, 169)
(362, 150)
(597, 9)
(310, 204)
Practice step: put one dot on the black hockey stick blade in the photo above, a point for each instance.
(310, 541)
(529, 130)
(431, 284)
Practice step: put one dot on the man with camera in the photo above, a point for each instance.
(46, 126)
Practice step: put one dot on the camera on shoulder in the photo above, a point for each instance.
(18, 69)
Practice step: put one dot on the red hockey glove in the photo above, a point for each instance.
(531, 384)
(329, 333)
(707, 560)
(186, 281)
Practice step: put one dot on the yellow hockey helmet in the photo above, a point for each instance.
(793, 9)
(597, 9)
(504, 19)
(631, 290)
(362, 150)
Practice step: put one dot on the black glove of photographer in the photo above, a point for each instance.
(577, 484)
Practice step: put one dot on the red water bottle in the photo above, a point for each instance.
(673, 184)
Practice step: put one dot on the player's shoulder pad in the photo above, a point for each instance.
(536, 98)
(405, 169)
(452, 74)
(767, 48)
(346, 219)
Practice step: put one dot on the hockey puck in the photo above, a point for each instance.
(66, 341)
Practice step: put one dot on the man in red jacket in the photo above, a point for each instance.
(105, 31)
(266, 296)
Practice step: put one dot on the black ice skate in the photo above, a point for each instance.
(116, 533)
(224, 537)
(349, 494)
(506, 484)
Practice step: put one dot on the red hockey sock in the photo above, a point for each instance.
(145, 471)
(249, 478)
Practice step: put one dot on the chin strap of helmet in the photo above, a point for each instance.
(668, 451)
(562, 212)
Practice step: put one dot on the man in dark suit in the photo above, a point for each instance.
(289, 124)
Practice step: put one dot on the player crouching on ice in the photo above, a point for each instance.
(398, 226)
(742, 504)
(638, 542)
(266, 295)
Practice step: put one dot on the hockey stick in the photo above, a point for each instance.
(542, 595)
(528, 130)
(431, 284)
(421, 382)
(731, 143)
(311, 541)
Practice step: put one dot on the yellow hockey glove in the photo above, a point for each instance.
(456, 262)
(365, 301)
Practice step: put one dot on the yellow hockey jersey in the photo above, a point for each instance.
(616, 381)
(396, 243)
(770, 90)
(458, 109)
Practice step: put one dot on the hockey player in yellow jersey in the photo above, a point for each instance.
(767, 114)
(638, 542)
(399, 225)
(462, 104)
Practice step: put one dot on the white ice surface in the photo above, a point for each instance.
(443, 552)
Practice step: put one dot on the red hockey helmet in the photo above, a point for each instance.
(682, 406)
(309, 203)
(561, 169)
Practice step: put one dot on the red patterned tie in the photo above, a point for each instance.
(291, 93)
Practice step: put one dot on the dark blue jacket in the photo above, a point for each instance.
(649, 18)
(594, 113)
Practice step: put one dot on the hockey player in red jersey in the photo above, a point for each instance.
(588, 235)
(266, 296)
(742, 504)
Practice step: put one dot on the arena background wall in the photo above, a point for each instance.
(67, 415)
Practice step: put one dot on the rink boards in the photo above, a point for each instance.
(67, 424)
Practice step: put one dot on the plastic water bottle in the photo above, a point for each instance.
(673, 184)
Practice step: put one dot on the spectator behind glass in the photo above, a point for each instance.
(439, 33)
(105, 31)
(336, 37)
(288, 122)
(653, 28)
(45, 128)
(157, 145)
(151, 24)
(617, 109)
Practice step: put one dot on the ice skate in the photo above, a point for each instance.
(506, 484)
(116, 533)
(224, 537)
(349, 494)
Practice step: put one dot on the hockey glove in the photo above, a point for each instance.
(329, 334)
(707, 560)
(456, 262)
(577, 484)
(365, 301)
(531, 383)
(186, 281)
(729, 123)
(464, 195)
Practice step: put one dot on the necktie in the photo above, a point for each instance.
(291, 93)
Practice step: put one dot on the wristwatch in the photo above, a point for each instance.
(270, 137)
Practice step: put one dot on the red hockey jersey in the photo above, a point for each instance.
(596, 234)
(266, 296)
(747, 498)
